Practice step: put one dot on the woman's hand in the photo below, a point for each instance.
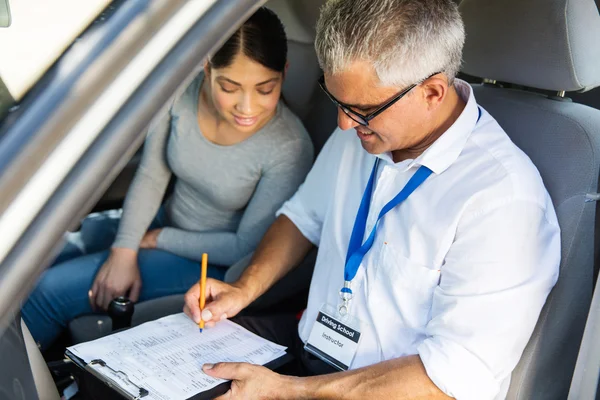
(223, 300)
(150, 239)
(118, 276)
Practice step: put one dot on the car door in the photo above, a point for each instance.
(73, 130)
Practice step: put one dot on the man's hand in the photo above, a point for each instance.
(250, 381)
(400, 378)
(223, 300)
(150, 239)
(118, 276)
(282, 248)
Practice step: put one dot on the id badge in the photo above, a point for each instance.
(334, 338)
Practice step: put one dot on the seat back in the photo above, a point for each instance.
(550, 45)
(303, 70)
(300, 89)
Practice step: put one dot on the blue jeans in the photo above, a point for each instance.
(61, 294)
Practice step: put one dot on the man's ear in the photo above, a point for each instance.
(207, 69)
(435, 90)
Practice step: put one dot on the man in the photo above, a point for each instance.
(438, 243)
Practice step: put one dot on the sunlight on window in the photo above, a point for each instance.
(40, 32)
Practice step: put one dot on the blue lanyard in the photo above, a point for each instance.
(356, 251)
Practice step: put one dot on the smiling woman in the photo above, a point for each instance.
(244, 80)
(237, 154)
(238, 98)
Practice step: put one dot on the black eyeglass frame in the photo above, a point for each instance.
(364, 119)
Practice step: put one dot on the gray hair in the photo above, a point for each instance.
(405, 41)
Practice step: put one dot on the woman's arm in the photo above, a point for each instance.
(120, 275)
(279, 182)
(147, 188)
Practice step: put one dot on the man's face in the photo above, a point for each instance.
(400, 127)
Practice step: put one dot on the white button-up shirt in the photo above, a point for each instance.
(458, 273)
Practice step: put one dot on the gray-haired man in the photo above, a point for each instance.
(438, 243)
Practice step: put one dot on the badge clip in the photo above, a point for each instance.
(346, 295)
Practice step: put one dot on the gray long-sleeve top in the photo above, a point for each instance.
(225, 197)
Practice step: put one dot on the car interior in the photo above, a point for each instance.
(535, 70)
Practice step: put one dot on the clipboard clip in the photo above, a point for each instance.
(122, 375)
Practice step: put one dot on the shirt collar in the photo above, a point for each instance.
(446, 149)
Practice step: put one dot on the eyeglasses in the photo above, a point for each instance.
(364, 119)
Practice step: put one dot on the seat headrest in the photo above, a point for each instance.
(543, 44)
(298, 17)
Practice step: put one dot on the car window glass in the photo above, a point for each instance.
(39, 33)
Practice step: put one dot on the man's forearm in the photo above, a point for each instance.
(283, 247)
(401, 378)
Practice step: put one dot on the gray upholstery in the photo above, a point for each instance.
(299, 18)
(321, 120)
(554, 44)
(591, 98)
(563, 140)
(303, 70)
(540, 44)
(301, 78)
(300, 90)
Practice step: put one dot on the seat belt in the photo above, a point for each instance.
(596, 198)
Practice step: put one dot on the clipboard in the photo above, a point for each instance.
(114, 382)
(107, 380)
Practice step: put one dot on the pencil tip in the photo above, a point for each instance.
(200, 329)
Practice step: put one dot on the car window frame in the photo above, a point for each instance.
(106, 155)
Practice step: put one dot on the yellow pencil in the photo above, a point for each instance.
(203, 288)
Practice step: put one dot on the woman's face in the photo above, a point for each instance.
(245, 94)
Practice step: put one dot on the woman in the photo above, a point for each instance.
(237, 154)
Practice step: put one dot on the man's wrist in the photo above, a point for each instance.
(251, 284)
(249, 289)
(295, 388)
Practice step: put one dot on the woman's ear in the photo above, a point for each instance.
(285, 69)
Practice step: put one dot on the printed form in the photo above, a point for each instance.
(166, 356)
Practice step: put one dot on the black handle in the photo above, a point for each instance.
(120, 311)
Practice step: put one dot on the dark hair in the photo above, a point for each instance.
(261, 38)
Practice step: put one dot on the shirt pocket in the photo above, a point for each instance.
(403, 291)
